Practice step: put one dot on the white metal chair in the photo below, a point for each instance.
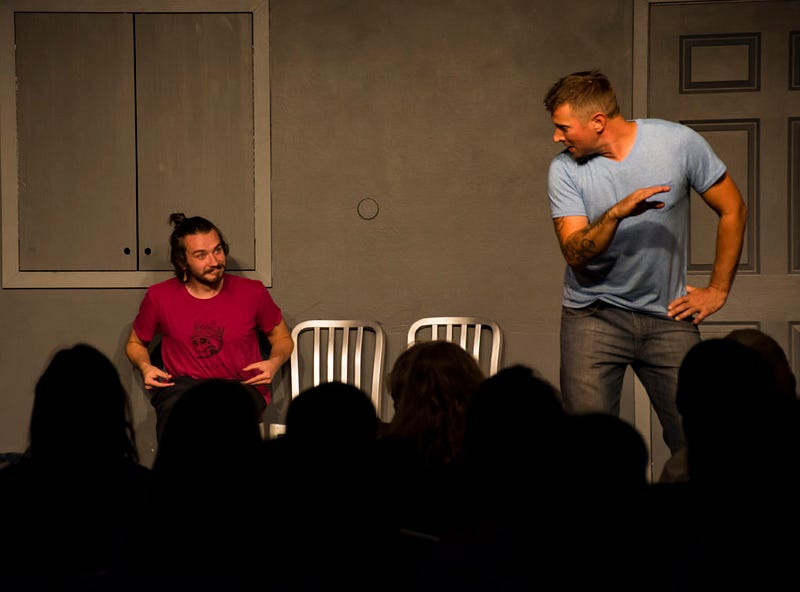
(350, 351)
(481, 337)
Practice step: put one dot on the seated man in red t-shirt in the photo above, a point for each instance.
(209, 322)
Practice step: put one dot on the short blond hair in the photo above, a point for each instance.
(583, 91)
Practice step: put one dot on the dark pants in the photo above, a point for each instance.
(163, 400)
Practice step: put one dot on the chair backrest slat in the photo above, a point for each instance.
(470, 335)
(344, 357)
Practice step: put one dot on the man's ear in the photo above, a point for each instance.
(598, 122)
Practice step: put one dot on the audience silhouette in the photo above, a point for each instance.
(783, 379)
(70, 498)
(201, 524)
(430, 384)
(603, 505)
(548, 493)
(770, 350)
(475, 484)
(512, 462)
(732, 522)
(326, 528)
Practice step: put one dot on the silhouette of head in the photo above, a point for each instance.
(430, 384)
(80, 410)
(731, 411)
(774, 356)
(213, 425)
(208, 482)
(332, 418)
(513, 417)
(608, 453)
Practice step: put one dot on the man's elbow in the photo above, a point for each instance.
(739, 215)
(575, 260)
(285, 343)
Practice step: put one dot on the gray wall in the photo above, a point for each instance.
(431, 108)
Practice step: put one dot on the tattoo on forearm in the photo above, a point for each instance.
(580, 248)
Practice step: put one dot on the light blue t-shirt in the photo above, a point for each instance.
(644, 267)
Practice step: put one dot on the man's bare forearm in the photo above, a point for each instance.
(137, 352)
(726, 200)
(730, 237)
(138, 355)
(581, 242)
(582, 246)
(281, 350)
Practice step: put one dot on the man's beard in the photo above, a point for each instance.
(203, 279)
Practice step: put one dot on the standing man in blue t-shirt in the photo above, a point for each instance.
(619, 197)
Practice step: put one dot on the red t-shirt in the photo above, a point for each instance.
(208, 338)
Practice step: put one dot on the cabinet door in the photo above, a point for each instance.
(116, 116)
(194, 108)
(76, 138)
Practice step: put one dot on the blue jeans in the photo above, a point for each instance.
(598, 343)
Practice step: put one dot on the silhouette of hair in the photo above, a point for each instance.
(213, 424)
(324, 464)
(742, 452)
(731, 410)
(207, 481)
(773, 355)
(183, 226)
(583, 91)
(330, 418)
(77, 489)
(430, 384)
(512, 415)
(512, 459)
(611, 453)
(81, 410)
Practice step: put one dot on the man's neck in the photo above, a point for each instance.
(203, 291)
(619, 137)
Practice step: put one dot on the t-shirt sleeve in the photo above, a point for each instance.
(703, 165)
(565, 198)
(146, 322)
(268, 314)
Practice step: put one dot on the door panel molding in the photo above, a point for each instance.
(704, 57)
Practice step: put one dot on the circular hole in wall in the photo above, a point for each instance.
(368, 208)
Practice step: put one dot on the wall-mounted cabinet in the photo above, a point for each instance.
(114, 115)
